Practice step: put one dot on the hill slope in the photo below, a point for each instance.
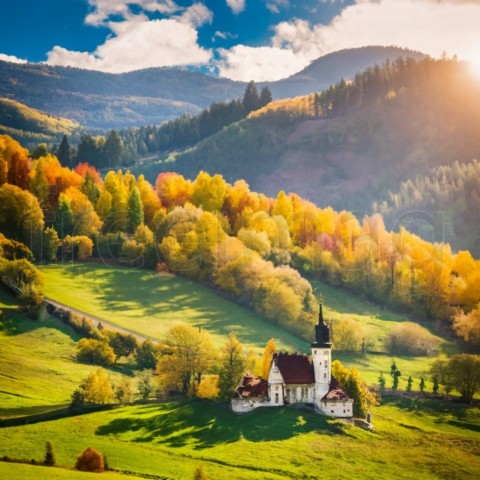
(31, 125)
(150, 96)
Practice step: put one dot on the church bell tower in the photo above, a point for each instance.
(322, 357)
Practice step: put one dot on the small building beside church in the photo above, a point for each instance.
(297, 378)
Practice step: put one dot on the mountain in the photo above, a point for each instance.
(350, 145)
(329, 69)
(29, 125)
(104, 100)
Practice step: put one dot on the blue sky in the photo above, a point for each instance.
(238, 39)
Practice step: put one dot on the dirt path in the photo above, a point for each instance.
(96, 320)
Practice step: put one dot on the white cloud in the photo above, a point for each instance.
(431, 26)
(102, 10)
(275, 5)
(11, 58)
(223, 35)
(258, 63)
(138, 43)
(196, 15)
(236, 6)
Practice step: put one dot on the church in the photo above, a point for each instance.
(297, 378)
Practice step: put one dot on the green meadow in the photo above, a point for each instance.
(412, 439)
(150, 303)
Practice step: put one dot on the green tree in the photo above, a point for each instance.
(123, 344)
(64, 153)
(381, 382)
(87, 150)
(40, 151)
(409, 384)
(144, 383)
(233, 364)
(113, 149)
(265, 96)
(39, 186)
(90, 188)
(49, 459)
(146, 356)
(200, 474)
(422, 384)
(134, 210)
(51, 243)
(435, 385)
(251, 100)
(63, 221)
(395, 374)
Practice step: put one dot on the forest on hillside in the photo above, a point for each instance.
(256, 249)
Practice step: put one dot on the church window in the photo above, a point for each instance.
(276, 387)
(325, 352)
(344, 411)
(332, 411)
(326, 363)
(324, 375)
(276, 398)
(314, 352)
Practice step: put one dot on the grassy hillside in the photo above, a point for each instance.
(31, 125)
(411, 440)
(151, 303)
(37, 367)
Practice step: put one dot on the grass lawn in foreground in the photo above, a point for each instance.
(412, 439)
(150, 303)
(37, 367)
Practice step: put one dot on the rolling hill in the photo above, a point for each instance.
(30, 125)
(150, 96)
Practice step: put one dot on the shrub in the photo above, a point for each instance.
(90, 461)
(49, 460)
(95, 352)
(347, 335)
(411, 339)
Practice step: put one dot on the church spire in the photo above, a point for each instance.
(322, 331)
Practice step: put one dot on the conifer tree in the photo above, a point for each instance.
(265, 97)
(63, 220)
(49, 460)
(134, 210)
(422, 384)
(409, 384)
(395, 374)
(64, 153)
(251, 100)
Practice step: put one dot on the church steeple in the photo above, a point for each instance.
(322, 332)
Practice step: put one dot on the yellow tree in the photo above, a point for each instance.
(209, 192)
(185, 354)
(265, 361)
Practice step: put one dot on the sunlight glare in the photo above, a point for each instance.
(474, 62)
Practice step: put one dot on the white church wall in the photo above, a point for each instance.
(337, 408)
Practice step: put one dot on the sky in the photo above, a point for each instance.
(237, 39)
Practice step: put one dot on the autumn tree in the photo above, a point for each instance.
(209, 192)
(233, 364)
(95, 352)
(146, 356)
(85, 219)
(265, 360)
(144, 383)
(185, 353)
(96, 388)
(467, 326)
(90, 461)
(124, 390)
(134, 210)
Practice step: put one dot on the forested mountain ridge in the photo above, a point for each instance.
(151, 96)
(350, 144)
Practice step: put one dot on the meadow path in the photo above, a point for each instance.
(97, 320)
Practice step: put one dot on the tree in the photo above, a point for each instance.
(146, 356)
(123, 344)
(90, 461)
(49, 459)
(208, 387)
(233, 363)
(113, 149)
(124, 391)
(209, 192)
(381, 382)
(460, 372)
(39, 185)
(395, 374)
(200, 474)
(134, 210)
(185, 353)
(435, 385)
(409, 338)
(266, 359)
(63, 221)
(467, 326)
(51, 242)
(422, 384)
(95, 352)
(96, 388)
(25, 280)
(409, 384)
(144, 383)
(87, 150)
(85, 218)
(265, 96)
(251, 100)
(64, 153)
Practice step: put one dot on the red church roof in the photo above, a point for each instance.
(251, 386)
(295, 368)
(336, 392)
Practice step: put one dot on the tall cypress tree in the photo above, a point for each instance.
(250, 98)
(64, 153)
(63, 221)
(265, 97)
(135, 210)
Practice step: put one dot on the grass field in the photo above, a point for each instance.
(172, 439)
(151, 303)
(37, 367)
